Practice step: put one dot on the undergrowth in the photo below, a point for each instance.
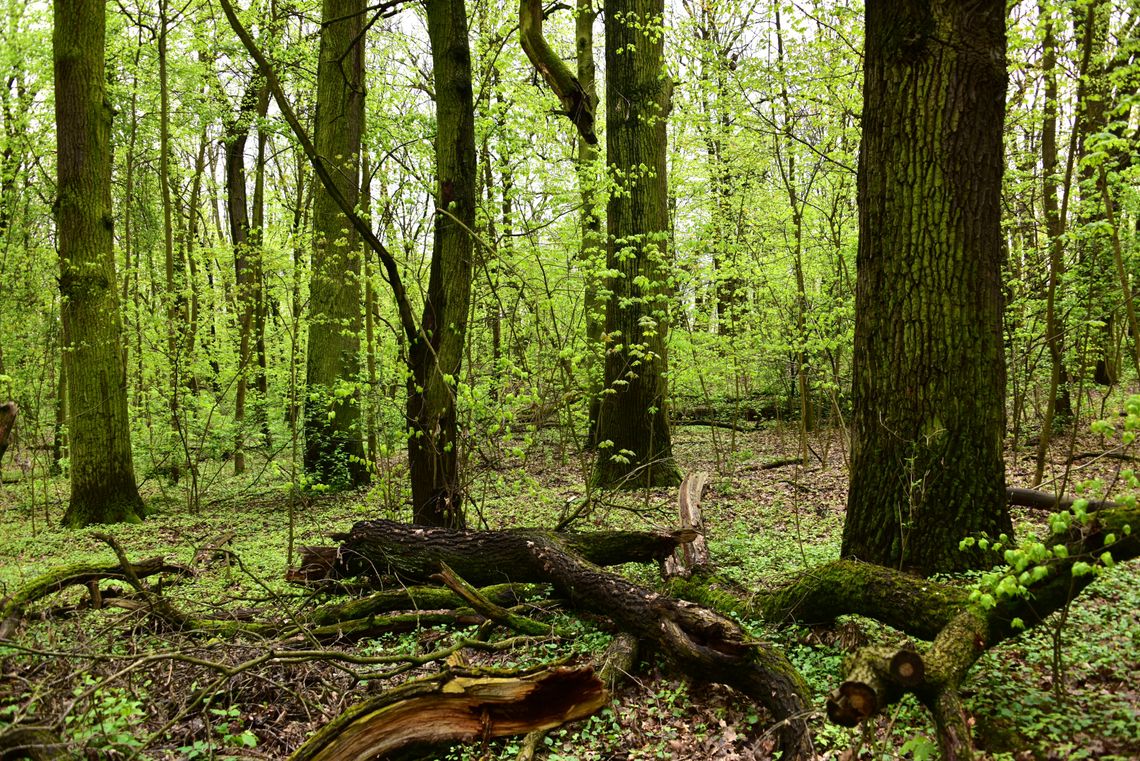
(118, 689)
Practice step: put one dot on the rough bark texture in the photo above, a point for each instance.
(375, 548)
(436, 353)
(234, 141)
(103, 488)
(634, 445)
(334, 448)
(929, 369)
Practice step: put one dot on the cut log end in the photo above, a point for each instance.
(907, 668)
(851, 704)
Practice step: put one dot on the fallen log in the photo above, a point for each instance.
(1046, 500)
(32, 742)
(58, 579)
(379, 548)
(704, 644)
(456, 707)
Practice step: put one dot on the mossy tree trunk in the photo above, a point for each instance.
(436, 354)
(929, 374)
(634, 445)
(103, 488)
(334, 447)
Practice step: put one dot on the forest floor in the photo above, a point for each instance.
(119, 689)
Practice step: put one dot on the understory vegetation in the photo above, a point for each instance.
(123, 689)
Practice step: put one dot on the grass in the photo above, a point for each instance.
(763, 526)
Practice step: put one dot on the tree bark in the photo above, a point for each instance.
(103, 488)
(634, 444)
(435, 354)
(334, 448)
(929, 367)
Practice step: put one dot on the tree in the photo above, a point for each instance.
(334, 449)
(633, 437)
(929, 374)
(103, 488)
(435, 354)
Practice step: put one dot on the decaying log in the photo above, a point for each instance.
(380, 548)
(456, 707)
(32, 742)
(1045, 500)
(488, 609)
(415, 598)
(57, 579)
(873, 678)
(690, 557)
(704, 644)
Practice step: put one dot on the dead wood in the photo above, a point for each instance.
(1045, 500)
(705, 645)
(379, 548)
(31, 742)
(693, 556)
(57, 579)
(488, 609)
(456, 707)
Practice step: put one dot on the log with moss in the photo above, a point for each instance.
(88, 574)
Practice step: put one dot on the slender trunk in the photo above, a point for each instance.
(175, 300)
(237, 133)
(103, 488)
(635, 447)
(334, 446)
(592, 250)
(369, 318)
(435, 355)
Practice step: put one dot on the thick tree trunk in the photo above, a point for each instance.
(634, 444)
(929, 375)
(103, 488)
(436, 354)
(334, 448)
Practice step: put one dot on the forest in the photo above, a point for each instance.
(606, 379)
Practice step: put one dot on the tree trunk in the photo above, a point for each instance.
(103, 488)
(334, 449)
(929, 372)
(634, 444)
(436, 354)
(237, 208)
